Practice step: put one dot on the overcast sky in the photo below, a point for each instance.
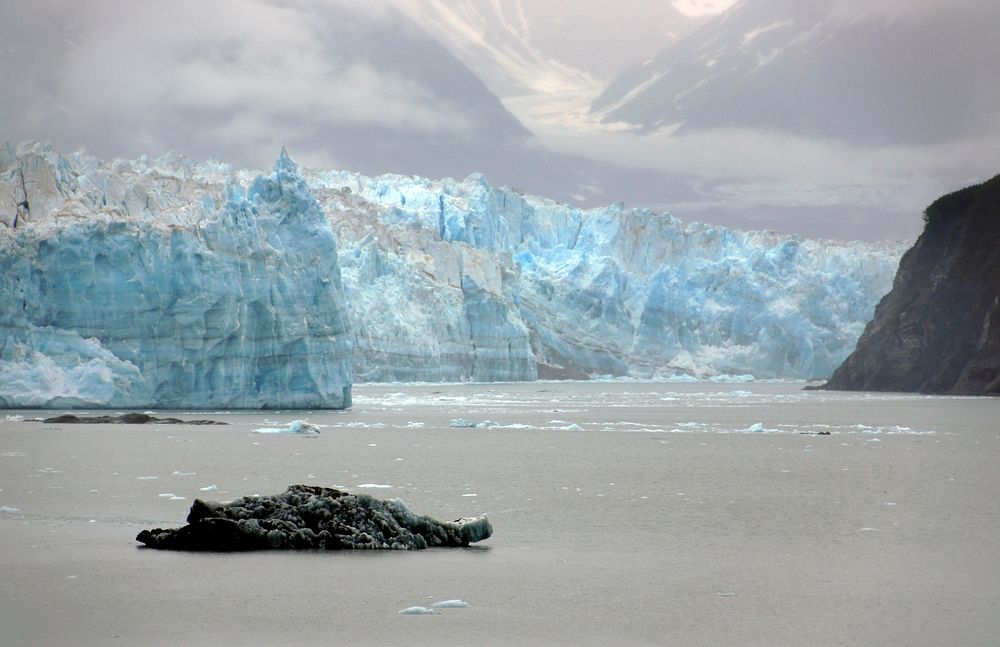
(446, 87)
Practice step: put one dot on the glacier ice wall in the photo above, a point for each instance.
(480, 278)
(125, 285)
(441, 281)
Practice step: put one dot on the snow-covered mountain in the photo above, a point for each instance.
(547, 61)
(520, 47)
(868, 73)
(150, 281)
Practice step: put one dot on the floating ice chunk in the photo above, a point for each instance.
(8, 509)
(470, 494)
(211, 488)
(473, 424)
(731, 379)
(178, 498)
(166, 495)
(303, 427)
(451, 604)
(148, 478)
(14, 418)
(416, 611)
(375, 485)
(180, 473)
(573, 427)
(756, 427)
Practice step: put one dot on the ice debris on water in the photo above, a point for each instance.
(8, 509)
(416, 611)
(450, 604)
(473, 424)
(757, 427)
(301, 427)
(209, 488)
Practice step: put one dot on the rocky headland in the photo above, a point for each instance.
(938, 330)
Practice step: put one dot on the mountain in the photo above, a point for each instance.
(866, 73)
(173, 283)
(938, 330)
(520, 47)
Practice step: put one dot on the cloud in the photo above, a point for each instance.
(747, 171)
(234, 57)
(240, 77)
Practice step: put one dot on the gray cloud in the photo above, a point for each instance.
(360, 86)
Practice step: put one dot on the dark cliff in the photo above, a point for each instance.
(938, 330)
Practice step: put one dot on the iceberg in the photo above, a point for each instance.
(174, 283)
(313, 517)
(301, 427)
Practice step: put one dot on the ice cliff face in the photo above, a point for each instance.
(149, 285)
(442, 280)
(487, 283)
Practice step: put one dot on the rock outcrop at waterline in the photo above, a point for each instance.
(312, 517)
(938, 330)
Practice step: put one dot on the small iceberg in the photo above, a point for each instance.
(473, 424)
(450, 604)
(416, 611)
(301, 427)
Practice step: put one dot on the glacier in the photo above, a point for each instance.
(459, 280)
(124, 285)
(173, 283)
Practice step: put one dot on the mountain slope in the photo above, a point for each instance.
(869, 75)
(938, 330)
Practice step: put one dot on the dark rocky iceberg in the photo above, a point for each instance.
(127, 419)
(938, 330)
(312, 517)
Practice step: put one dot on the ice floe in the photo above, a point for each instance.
(416, 611)
(450, 604)
(301, 427)
(473, 424)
